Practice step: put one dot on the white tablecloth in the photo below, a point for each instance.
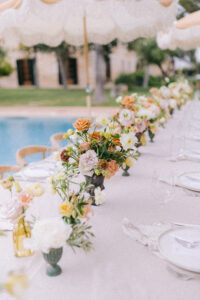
(120, 268)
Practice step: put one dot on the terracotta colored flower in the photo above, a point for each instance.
(64, 156)
(112, 168)
(82, 124)
(84, 147)
(116, 141)
(95, 135)
(102, 164)
(128, 101)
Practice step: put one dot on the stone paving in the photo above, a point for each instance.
(25, 111)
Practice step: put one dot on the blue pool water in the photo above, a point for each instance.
(16, 133)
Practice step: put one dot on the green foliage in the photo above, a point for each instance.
(135, 79)
(147, 51)
(5, 68)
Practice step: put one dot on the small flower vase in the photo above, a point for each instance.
(125, 171)
(171, 111)
(96, 181)
(143, 140)
(52, 258)
(151, 135)
(21, 231)
(138, 136)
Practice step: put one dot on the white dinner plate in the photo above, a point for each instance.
(36, 173)
(190, 180)
(172, 246)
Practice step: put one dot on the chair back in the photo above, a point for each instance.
(55, 140)
(5, 169)
(30, 150)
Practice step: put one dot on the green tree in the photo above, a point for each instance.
(5, 67)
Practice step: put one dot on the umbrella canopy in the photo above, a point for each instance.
(53, 21)
(185, 39)
(189, 21)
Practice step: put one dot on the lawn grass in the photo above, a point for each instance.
(52, 97)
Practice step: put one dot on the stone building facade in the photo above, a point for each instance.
(46, 66)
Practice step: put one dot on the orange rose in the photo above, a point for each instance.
(82, 124)
(95, 135)
(128, 101)
(102, 164)
(112, 168)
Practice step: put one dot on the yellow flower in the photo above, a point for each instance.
(35, 189)
(129, 162)
(18, 187)
(16, 284)
(66, 209)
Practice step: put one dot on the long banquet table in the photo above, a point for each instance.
(119, 268)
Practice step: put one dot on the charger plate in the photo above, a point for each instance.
(190, 181)
(177, 254)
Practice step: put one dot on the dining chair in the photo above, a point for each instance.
(55, 140)
(8, 169)
(30, 150)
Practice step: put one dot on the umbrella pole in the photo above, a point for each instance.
(88, 88)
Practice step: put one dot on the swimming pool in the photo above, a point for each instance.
(17, 132)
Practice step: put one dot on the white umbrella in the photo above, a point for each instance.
(53, 21)
(185, 39)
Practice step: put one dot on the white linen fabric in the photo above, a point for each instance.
(119, 268)
(36, 22)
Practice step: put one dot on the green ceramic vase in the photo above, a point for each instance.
(52, 258)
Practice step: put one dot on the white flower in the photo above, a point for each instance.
(50, 233)
(126, 117)
(56, 155)
(99, 196)
(128, 140)
(172, 103)
(74, 137)
(146, 114)
(163, 104)
(155, 109)
(119, 99)
(35, 189)
(165, 92)
(102, 121)
(88, 161)
(162, 120)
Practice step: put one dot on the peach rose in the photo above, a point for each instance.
(112, 168)
(82, 124)
(149, 100)
(154, 91)
(84, 147)
(128, 101)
